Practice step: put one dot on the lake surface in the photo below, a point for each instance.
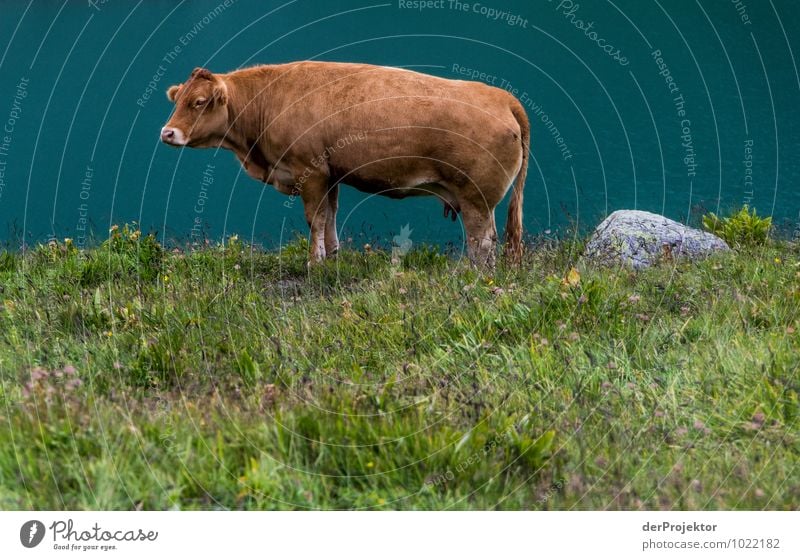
(676, 107)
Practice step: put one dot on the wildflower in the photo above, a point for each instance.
(38, 373)
(370, 465)
(573, 278)
(269, 395)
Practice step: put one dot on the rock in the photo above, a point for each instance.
(639, 239)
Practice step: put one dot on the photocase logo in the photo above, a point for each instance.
(31, 533)
(401, 244)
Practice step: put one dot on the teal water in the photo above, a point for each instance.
(673, 106)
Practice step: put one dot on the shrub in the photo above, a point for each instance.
(741, 229)
(126, 253)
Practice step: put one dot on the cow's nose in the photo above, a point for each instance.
(167, 134)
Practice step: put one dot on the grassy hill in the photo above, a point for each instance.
(223, 377)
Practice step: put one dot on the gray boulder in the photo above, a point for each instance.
(639, 239)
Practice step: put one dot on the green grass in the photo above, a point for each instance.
(226, 377)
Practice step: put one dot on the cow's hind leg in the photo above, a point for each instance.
(331, 238)
(481, 234)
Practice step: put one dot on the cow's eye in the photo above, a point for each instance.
(199, 102)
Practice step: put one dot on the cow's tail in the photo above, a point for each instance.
(513, 248)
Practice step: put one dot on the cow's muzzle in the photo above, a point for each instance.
(173, 136)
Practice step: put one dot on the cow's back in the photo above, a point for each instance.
(359, 96)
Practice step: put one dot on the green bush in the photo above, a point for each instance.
(741, 229)
(126, 253)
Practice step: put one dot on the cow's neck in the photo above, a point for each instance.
(246, 114)
(234, 139)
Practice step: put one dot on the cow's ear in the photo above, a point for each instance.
(220, 93)
(172, 92)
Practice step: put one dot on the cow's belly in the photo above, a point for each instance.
(420, 186)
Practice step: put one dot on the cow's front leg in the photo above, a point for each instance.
(314, 193)
(331, 238)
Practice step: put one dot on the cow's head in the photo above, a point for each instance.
(201, 116)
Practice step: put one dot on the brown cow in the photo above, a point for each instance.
(304, 127)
